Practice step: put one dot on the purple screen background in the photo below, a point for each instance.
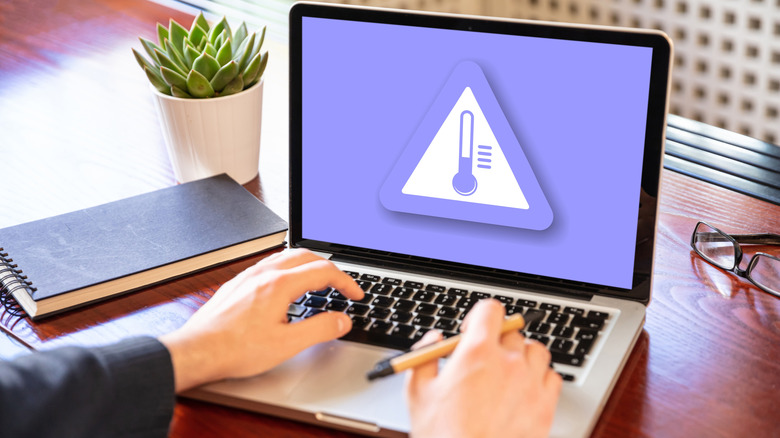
(578, 110)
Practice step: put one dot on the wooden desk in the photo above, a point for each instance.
(78, 128)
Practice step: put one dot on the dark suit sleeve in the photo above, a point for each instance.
(121, 390)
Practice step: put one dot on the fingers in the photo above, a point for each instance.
(419, 377)
(317, 275)
(323, 327)
(483, 323)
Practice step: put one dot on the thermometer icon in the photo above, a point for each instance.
(464, 181)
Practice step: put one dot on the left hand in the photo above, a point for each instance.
(243, 330)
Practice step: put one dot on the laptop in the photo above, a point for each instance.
(443, 159)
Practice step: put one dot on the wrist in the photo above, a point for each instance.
(191, 366)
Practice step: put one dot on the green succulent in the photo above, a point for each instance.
(204, 61)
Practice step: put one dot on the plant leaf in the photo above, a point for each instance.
(233, 86)
(178, 34)
(175, 55)
(225, 53)
(225, 74)
(262, 39)
(240, 35)
(157, 81)
(150, 48)
(142, 61)
(200, 20)
(190, 54)
(197, 34)
(251, 71)
(198, 85)
(210, 50)
(178, 92)
(242, 57)
(165, 61)
(162, 34)
(173, 79)
(206, 65)
(216, 30)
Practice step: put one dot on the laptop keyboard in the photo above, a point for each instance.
(395, 313)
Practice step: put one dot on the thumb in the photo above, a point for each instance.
(323, 327)
(419, 377)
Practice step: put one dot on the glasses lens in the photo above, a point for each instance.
(766, 272)
(714, 246)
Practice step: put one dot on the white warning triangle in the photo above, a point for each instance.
(465, 143)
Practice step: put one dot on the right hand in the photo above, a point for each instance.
(493, 385)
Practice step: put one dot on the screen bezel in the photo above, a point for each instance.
(654, 139)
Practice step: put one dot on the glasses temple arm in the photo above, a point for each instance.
(757, 239)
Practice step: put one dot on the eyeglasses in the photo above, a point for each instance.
(724, 251)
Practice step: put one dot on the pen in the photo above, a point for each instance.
(437, 350)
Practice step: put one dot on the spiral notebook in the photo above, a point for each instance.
(58, 263)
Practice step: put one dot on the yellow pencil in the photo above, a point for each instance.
(431, 352)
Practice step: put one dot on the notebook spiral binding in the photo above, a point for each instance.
(12, 279)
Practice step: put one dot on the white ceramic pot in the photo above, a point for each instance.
(206, 137)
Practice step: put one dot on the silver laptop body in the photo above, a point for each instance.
(515, 159)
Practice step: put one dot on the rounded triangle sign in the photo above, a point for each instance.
(465, 163)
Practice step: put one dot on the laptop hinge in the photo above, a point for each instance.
(487, 276)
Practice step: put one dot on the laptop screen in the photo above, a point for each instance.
(515, 147)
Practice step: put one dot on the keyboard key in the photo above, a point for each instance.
(480, 295)
(404, 305)
(446, 335)
(458, 292)
(567, 377)
(573, 310)
(583, 347)
(367, 297)
(312, 312)
(360, 322)
(427, 309)
(423, 320)
(505, 299)
(466, 302)
(381, 301)
(598, 315)
(534, 315)
(337, 305)
(563, 331)
(321, 293)
(446, 300)
(561, 345)
(446, 324)
(548, 306)
(526, 303)
(586, 335)
(295, 310)
(558, 318)
(511, 310)
(353, 274)
(566, 359)
(541, 338)
(413, 284)
(379, 313)
(589, 323)
(365, 285)
(392, 281)
(435, 288)
(401, 316)
(358, 309)
(300, 299)
(403, 292)
(337, 295)
(381, 289)
(316, 302)
(448, 312)
(539, 327)
(423, 296)
(369, 277)
(402, 330)
(380, 327)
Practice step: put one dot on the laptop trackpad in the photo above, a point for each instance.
(336, 384)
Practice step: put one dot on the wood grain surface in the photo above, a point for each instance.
(78, 128)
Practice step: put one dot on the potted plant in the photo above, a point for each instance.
(208, 88)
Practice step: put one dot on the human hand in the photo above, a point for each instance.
(493, 385)
(243, 330)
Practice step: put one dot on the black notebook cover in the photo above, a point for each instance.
(70, 252)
